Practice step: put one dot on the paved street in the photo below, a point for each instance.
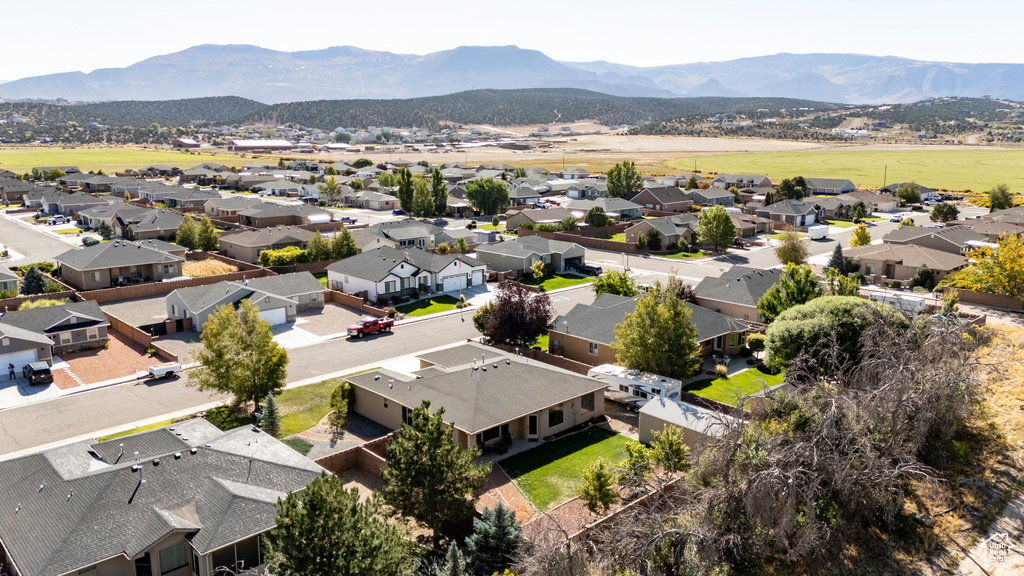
(31, 244)
(101, 409)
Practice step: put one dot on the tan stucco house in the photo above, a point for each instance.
(120, 262)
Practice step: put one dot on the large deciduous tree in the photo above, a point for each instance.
(597, 218)
(516, 315)
(615, 282)
(343, 245)
(406, 190)
(909, 193)
(996, 271)
(430, 478)
(325, 529)
(798, 285)
(238, 355)
(791, 248)
(330, 190)
(487, 195)
(999, 198)
(715, 227)
(944, 213)
(318, 248)
(422, 199)
(659, 337)
(624, 179)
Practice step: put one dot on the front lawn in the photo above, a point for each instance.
(726, 390)
(303, 407)
(615, 237)
(550, 473)
(322, 277)
(490, 227)
(68, 231)
(557, 281)
(152, 426)
(841, 224)
(433, 305)
(680, 254)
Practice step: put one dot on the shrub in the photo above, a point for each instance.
(722, 370)
(51, 287)
(4, 294)
(896, 284)
(389, 312)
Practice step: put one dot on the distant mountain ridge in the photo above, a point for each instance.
(346, 73)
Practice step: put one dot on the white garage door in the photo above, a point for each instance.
(275, 315)
(478, 277)
(19, 359)
(454, 282)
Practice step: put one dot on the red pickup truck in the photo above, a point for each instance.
(370, 325)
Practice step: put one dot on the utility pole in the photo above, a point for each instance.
(885, 176)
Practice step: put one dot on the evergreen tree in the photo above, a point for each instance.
(798, 285)
(34, 282)
(430, 478)
(342, 398)
(461, 246)
(318, 248)
(860, 236)
(406, 189)
(597, 486)
(188, 233)
(454, 564)
(207, 237)
(343, 245)
(495, 541)
(439, 190)
(837, 261)
(105, 231)
(999, 198)
(691, 184)
(271, 421)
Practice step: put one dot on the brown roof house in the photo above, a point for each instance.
(670, 229)
(519, 255)
(69, 327)
(120, 262)
(954, 239)
(492, 398)
(586, 332)
(268, 214)
(888, 262)
(534, 216)
(246, 246)
(663, 198)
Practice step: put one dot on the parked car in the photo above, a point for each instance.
(37, 373)
(165, 370)
(896, 218)
(397, 212)
(370, 325)
(56, 219)
(89, 241)
(589, 269)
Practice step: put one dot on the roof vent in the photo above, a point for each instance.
(156, 461)
(41, 486)
(207, 445)
(194, 450)
(135, 467)
(177, 455)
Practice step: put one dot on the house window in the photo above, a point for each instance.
(593, 348)
(406, 283)
(174, 557)
(346, 279)
(734, 339)
(406, 414)
(5, 341)
(95, 276)
(267, 299)
(389, 286)
(587, 402)
(174, 310)
(92, 333)
(313, 299)
(490, 434)
(65, 337)
(555, 416)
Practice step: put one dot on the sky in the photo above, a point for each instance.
(72, 35)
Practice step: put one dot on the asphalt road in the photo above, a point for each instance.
(33, 245)
(92, 411)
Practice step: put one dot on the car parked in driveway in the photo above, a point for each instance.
(57, 219)
(589, 269)
(38, 373)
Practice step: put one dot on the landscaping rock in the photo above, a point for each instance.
(925, 520)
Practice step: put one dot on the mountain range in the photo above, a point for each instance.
(346, 72)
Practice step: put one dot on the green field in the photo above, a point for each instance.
(967, 169)
(108, 159)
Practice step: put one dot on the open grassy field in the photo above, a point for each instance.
(21, 160)
(966, 169)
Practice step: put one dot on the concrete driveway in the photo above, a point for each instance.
(18, 392)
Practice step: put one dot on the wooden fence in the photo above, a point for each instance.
(547, 358)
(200, 256)
(368, 457)
(138, 336)
(594, 243)
(163, 288)
(355, 301)
(8, 304)
(969, 297)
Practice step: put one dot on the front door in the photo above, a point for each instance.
(718, 344)
(531, 434)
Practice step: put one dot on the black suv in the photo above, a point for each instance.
(589, 269)
(38, 373)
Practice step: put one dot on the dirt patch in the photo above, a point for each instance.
(332, 319)
(363, 481)
(500, 488)
(122, 358)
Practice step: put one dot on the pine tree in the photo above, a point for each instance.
(343, 245)
(495, 541)
(188, 233)
(271, 422)
(454, 564)
(34, 282)
(105, 231)
(207, 237)
(837, 261)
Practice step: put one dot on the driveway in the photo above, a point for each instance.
(17, 392)
(29, 242)
(331, 320)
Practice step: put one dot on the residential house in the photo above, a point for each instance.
(740, 181)
(459, 207)
(954, 239)
(268, 214)
(572, 174)
(186, 499)
(664, 198)
(585, 334)
(925, 192)
(889, 262)
(490, 397)
(748, 225)
(993, 230)
(799, 213)
(711, 197)
(153, 192)
(370, 200)
(247, 245)
(148, 225)
(878, 202)
(1013, 215)
(43, 199)
(188, 197)
(279, 298)
(13, 191)
(519, 255)
(613, 207)
(69, 327)
(671, 229)
(841, 206)
(94, 217)
(387, 273)
(279, 187)
(228, 207)
(119, 262)
(736, 292)
(828, 186)
(522, 195)
(8, 280)
(73, 203)
(534, 216)
(160, 171)
(366, 241)
(411, 232)
(20, 346)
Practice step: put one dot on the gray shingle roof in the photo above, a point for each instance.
(376, 264)
(89, 509)
(6, 274)
(528, 245)
(608, 204)
(198, 298)
(739, 285)
(795, 207)
(269, 236)
(909, 255)
(476, 400)
(40, 320)
(115, 254)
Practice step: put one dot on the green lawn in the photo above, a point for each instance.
(841, 224)
(490, 227)
(550, 473)
(949, 169)
(725, 390)
(876, 219)
(615, 237)
(681, 255)
(68, 231)
(109, 160)
(433, 305)
(542, 342)
(322, 277)
(225, 418)
(299, 445)
(558, 281)
(303, 407)
(135, 430)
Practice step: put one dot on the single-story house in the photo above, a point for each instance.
(230, 206)
(889, 262)
(625, 209)
(522, 194)
(877, 201)
(711, 197)
(799, 213)
(268, 214)
(185, 197)
(740, 181)
(21, 347)
(534, 216)
(247, 245)
(8, 280)
(366, 241)
(148, 225)
(120, 262)
(1013, 215)
(69, 327)
(735, 293)
(663, 198)
(585, 334)
(488, 396)
(993, 230)
(387, 273)
(829, 186)
(279, 298)
(749, 225)
(698, 424)
(13, 191)
(953, 239)
(519, 255)
(186, 499)
(841, 206)
(670, 229)
(925, 192)
(75, 202)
